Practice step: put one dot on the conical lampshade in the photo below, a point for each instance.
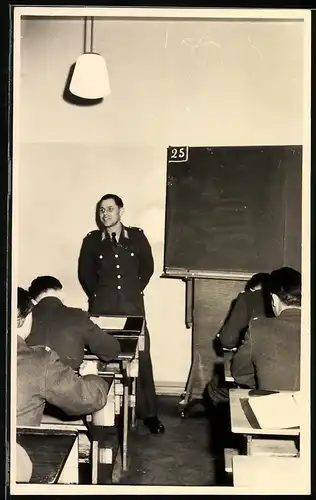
(90, 79)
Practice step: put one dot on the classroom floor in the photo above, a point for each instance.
(180, 457)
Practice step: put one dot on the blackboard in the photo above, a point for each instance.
(232, 209)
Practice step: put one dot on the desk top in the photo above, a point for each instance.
(267, 473)
(48, 451)
(128, 349)
(125, 324)
(240, 423)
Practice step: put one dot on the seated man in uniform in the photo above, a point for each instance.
(271, 336)
(269, 357)
(42, 377)
(251, 303)
(66, 330)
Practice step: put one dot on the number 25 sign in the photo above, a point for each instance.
(177, 154)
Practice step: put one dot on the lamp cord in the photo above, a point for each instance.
(91, 33)
(85, 49)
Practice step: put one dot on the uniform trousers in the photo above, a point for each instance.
(146, 399)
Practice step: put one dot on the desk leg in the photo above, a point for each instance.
(249, 443)
(95, 461)
(134, 405)
(125, 426)
(125, 417)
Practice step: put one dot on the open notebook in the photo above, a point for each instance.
(277, 411)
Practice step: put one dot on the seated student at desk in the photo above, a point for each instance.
(251, 303)
(66, 330)
(41, 377)
(269, 358)
(254, 302)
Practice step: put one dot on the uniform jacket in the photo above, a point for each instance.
(248, 305)
(42, 377)
(115, 276)
(269, 358)
(68, 331)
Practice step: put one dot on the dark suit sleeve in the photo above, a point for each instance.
(87, 272)
(100, 343)
(146, 260)
(242, 366)
(238, 321)
(71, 393)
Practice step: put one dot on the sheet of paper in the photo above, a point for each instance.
(110, 322)
(275, 411)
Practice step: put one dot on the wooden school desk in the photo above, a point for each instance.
(122, 394)
(53, 451)
(125, 327)
(242, 421)
(101, 429)
(127, 373)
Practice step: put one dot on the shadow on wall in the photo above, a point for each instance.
(73, 99)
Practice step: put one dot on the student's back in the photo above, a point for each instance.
(275, 347)
(67, 331)
(269, 357)
(248, 305)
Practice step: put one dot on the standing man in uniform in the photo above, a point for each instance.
(115, 266)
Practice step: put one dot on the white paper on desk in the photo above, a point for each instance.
(276, 411)
(109, 323)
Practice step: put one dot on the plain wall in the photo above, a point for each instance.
(196, 83)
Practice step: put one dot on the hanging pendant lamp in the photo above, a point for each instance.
(90, 79)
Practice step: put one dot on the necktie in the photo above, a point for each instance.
(113, 239)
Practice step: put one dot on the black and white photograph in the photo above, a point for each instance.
(160, 251)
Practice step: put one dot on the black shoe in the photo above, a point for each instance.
(154, 425)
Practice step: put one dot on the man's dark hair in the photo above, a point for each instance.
(42, 284)
(118, 201)
(115, 197)
(286, 283)
(257, 279)
(25, 304)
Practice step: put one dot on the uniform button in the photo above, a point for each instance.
(132, 254)
(118, 266)
(116, 256)
(119, 287)
(118, 276)
(100, 256)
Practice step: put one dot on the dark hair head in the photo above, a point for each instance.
(115, 197)
(118, 201)
(25, 304)
(257, 279)
(42, 284)
(286, 283)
